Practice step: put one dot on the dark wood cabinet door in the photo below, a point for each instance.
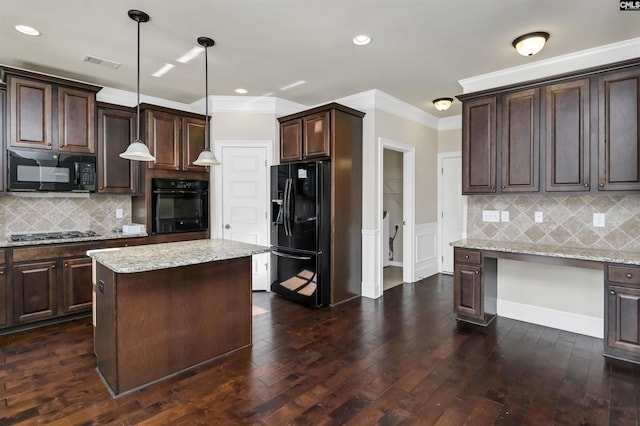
(623, 318)
(76, 120)
(116, 129)
(520, 141)
(316, 136)
(618, 132)
(567, 136)
(3, 297)
(3, 132)
(291, 140)
(77, 284)
(192, 143)
(479, 146)
(30, 104)
(467, 290)
(163, 133)
(34, 291)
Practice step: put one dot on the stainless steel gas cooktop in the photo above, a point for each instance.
(51, 236)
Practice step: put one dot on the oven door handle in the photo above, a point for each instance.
(291, 256)
(177, 191)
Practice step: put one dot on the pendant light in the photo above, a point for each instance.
(137, 150)
(206, 157)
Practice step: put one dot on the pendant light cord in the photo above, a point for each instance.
(138, 89)
(206, 99)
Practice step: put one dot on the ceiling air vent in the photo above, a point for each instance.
(100, 61)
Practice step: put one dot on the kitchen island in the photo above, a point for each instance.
(163, 308)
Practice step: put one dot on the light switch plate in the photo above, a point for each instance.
(598, 220)
(490, 215)
(504, 216)
(538, 217)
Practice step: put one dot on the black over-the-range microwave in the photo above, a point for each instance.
(50, 171)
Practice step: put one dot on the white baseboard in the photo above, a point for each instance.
(568, 321)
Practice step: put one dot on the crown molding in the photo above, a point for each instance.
(125, 98)
(610, 53)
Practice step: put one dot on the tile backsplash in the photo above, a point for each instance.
(27, 213)
(567, 220)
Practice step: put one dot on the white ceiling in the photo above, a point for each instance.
(420, 48)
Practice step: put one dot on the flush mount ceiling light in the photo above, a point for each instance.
(442, 104)
(206, 157)
(25, 29)
(530, 44)
(361, 40)
(137, 150)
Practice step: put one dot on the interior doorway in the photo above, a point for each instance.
(407, 221)
(452, 206)
(392, 217)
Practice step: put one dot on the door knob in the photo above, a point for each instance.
(227, 226)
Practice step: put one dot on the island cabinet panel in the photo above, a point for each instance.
(618, 132)
(520, 141)
(76, 120)
(567, 136)
(116, 130)
(155, 323)
(30, 113)
(77, 284)
(34, 291)
(479, 146)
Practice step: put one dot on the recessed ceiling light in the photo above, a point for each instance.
(361, 40)
(292, 85)
(163, 70)
(240, 91)
(25, 29)
(190, 55)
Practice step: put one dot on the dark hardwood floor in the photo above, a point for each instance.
(402, 359)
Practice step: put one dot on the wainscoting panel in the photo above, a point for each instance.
(426, 250)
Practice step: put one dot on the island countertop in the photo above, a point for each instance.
(169, 255)
(590, 254)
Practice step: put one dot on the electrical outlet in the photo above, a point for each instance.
(504, 216)
(490, 216)
(119, 213)
(598, 220)
(538, 217)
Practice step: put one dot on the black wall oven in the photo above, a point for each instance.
(179, 205)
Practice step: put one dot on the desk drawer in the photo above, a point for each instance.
(623, 274)
(473, 257)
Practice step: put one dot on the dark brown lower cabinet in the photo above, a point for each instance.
(76, 283)
(34, 291)
(3, 297)
(622, 312)
(468, 290)
(474, 286)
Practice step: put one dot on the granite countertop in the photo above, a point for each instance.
(169, 255)
(597, 255)
(5, 243)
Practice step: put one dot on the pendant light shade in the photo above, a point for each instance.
(206, 157)
(138, 151)
(530, 44)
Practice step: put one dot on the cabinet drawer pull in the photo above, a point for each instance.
(466, 256)
(53, 266)
(477, 272)
(629, 275)
(611, 292)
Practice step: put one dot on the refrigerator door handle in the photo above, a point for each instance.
(285, 209)
(291, 256)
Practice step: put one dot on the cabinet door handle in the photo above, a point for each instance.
(53, 266)
(477, 272)
(466, 256)
(629, 275)
(601, 185)
(493, 187)
(66, 265)
(503, 187)
(586, 185)
(1, 272)
(611, 292)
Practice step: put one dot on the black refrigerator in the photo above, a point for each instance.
(301, 232)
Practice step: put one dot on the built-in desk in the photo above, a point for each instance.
(475, 285)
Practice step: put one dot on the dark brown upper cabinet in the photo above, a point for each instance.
(479, 146)
(618, 135)
(116, 130)
(520, 141)
(567, 136)
(50, 113)
(306, 138)
(586, 123)
(3, 130)
(174, 138)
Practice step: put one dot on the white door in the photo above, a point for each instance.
(452, 208)
(245, 189)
